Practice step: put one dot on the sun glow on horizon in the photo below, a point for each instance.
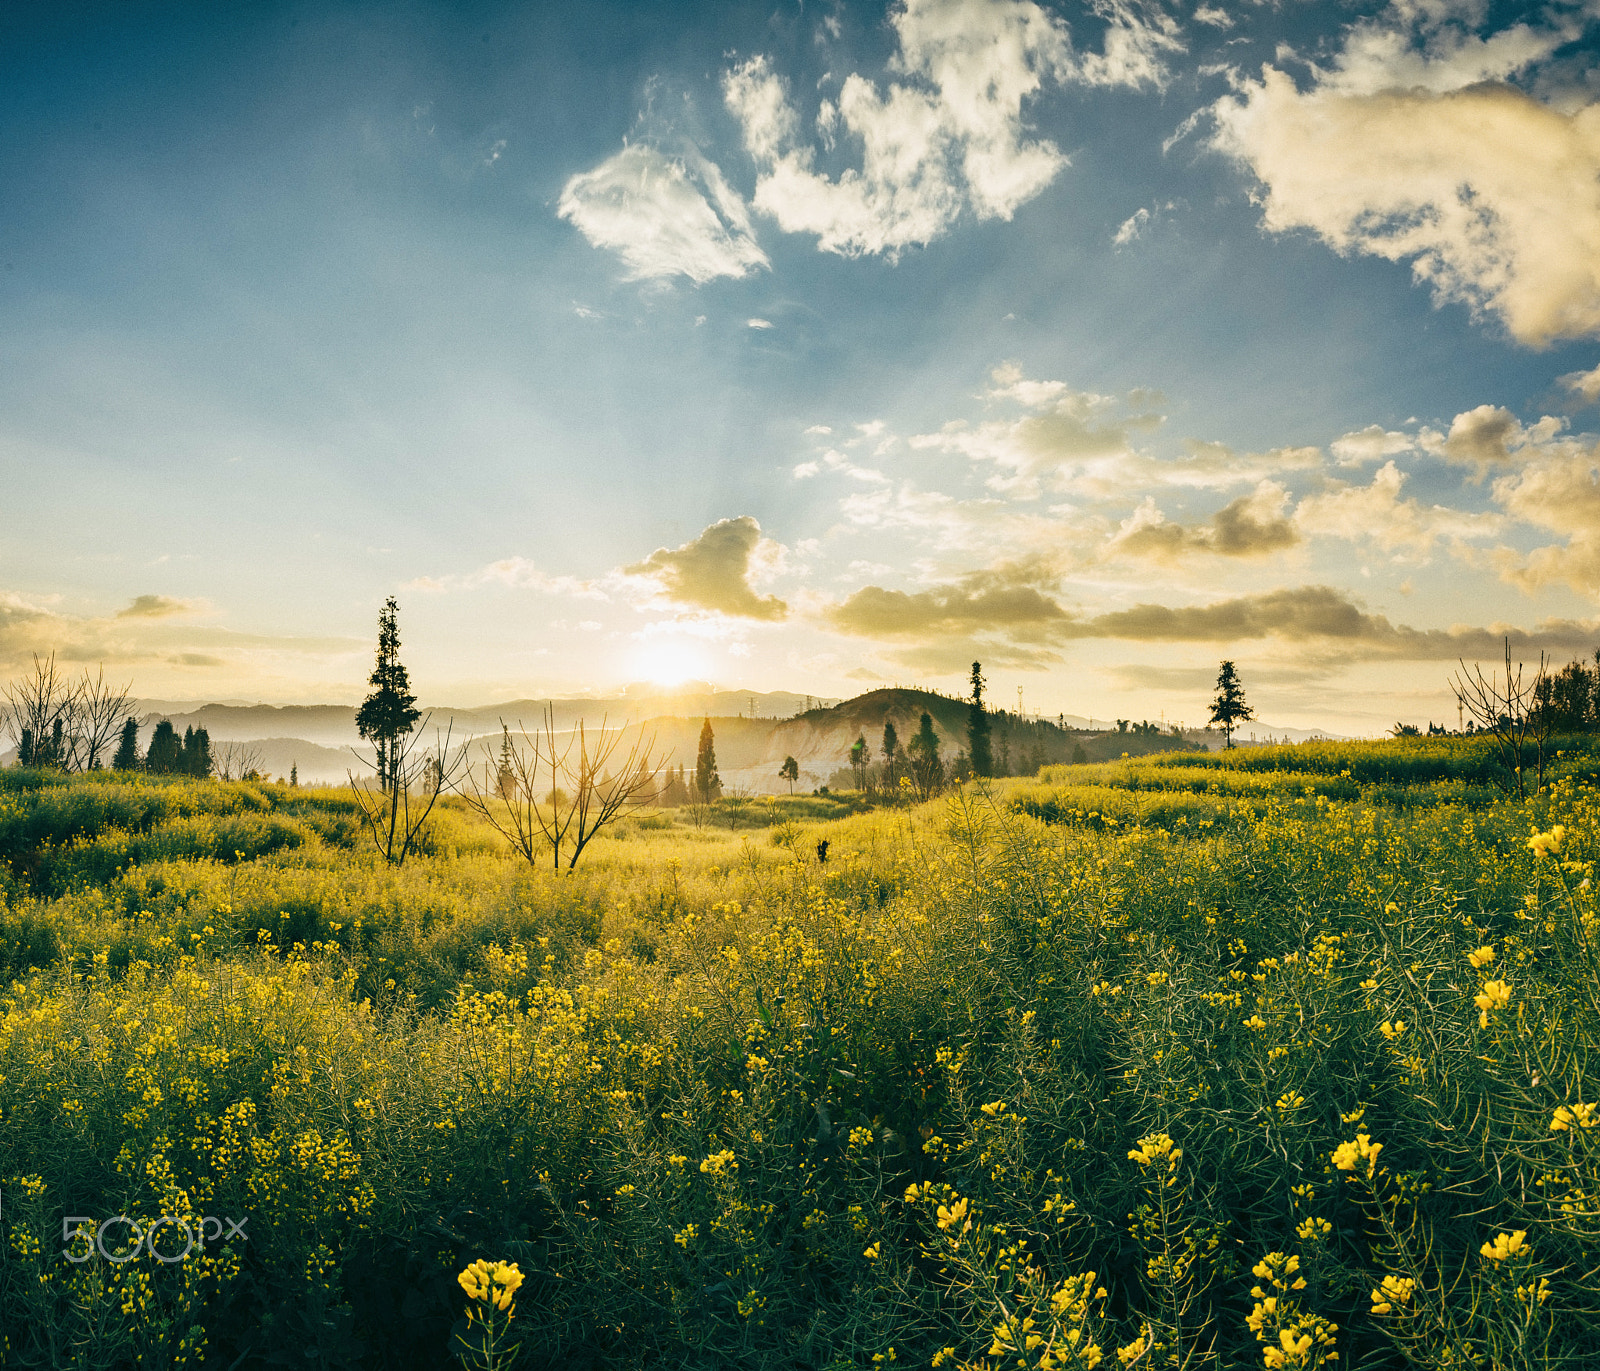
(669, 663)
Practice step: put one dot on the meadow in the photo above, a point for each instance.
(1274, 1058)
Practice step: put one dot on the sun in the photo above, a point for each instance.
(669, 663)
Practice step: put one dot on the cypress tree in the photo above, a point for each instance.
(982, 759)
(926, 768)
(25, 748)
(166, 750)
(390, 712)
(197, 760)
(707, 784)
(127, 757)
(891, 755)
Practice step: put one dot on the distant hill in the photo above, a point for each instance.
(755, 730)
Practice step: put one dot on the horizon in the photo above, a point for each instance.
(804, 350)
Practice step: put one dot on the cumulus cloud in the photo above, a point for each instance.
(713, 572)
(1324, 615)
(154, 607)
(1008, 607)
(1584, 383)
(1378, 512)
(1411, 147)
(1081, 442)
(1370, 444)
(1558, 489)
(1251, 526)
(664, 216)
(143, 632)
(951, 137)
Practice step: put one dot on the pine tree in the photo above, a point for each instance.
(25, 748)
(891, 755)
(707, 784)
(982, 759)
(165, 756)
(390, 712)
(505, 781)
(294, 773)
(926, 768)
(127, 756)
(197, 759)
(1229, 708)
(790, 772)
(859, 758)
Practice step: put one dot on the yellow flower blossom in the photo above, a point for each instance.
(1505, 1245)
(1394, 1290)
(1543, 844)
(1348, 1156)
(1482, 957)
(1582, 1115)
(1495, 995)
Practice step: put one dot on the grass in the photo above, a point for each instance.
(1185, 1056)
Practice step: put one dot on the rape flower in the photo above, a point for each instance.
(954, 1215)
(1391, 1031)
(1394, 1290)
(493, 1283)
(1348, 1155)
(1496, 995)
(1482, 957)
(1505, 1245)
(1583, 1115)
(1543, 844)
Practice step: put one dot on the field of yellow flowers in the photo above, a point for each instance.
(1283, 1058)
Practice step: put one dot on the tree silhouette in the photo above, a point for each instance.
(390, 713)
(790, 772)
(165, 755)
(978, 750)
(859, 758)
(891, 756)
(127, 756)
(1229, 708)
(927, 771)
(707, 784)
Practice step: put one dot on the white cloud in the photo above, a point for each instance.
(1370, 444)
(1584, 383)
(1131, 228)
(1378, 512)
(1081, 442)
(1411, 148)
(758, 323)
(805, 469)
(714, 571)
(663, 216)
(950, 137)
(1217, 18)
(1557, 488)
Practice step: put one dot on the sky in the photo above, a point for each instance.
(803, 346)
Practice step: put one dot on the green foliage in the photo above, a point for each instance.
(1260, 1053)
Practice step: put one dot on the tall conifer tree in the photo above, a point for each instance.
(707, 784)
(127, 755)
(390, 712)
(978, 750)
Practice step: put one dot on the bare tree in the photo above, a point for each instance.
(396, 801)
(589, 780)
(1509, 714)
(41, 715)
(101, 708)
(236, 761)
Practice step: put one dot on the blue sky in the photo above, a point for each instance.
(803, 346)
